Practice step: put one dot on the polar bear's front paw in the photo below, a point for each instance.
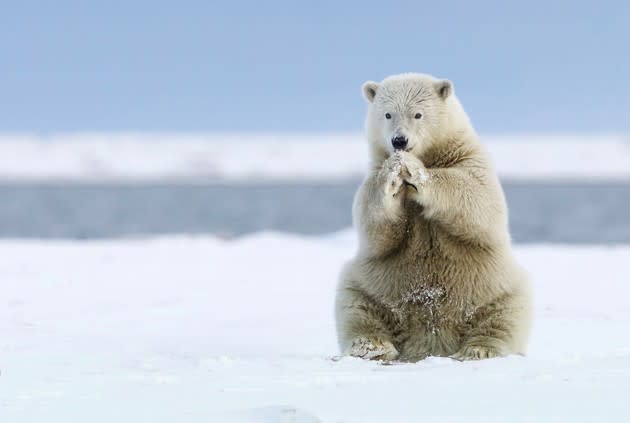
(391, 174)
(476, 352)
(393, 186)
(415, 173)
(372, 349)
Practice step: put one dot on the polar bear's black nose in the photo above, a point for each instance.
(399, 142)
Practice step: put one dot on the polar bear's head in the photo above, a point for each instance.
(411, 111)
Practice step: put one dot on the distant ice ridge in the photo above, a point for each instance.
(139, 157)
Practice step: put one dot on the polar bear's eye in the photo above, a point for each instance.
(388, 116)
(418, 115)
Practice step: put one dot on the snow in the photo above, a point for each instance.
(136, 157)
(200, 329)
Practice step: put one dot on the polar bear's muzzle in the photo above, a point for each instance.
(399, 142)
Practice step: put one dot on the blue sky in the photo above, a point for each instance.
(291, 66)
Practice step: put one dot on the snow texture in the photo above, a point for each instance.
(208, 330)
(231, 157)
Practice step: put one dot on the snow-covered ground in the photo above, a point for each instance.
(300, 157)
(209, 330)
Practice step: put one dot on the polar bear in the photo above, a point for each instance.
(434, 273)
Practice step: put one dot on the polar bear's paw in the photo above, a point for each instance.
(391, 175)
(372, 349)
(476, 352)
(415, 173)
(393, 186)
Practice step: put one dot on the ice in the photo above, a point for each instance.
(132, 157)
(199, 329)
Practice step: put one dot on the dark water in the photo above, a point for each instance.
(557, 212)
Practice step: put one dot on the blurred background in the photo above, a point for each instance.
(136, 118)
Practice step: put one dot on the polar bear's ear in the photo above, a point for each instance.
(444, 88)
(369, 90)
